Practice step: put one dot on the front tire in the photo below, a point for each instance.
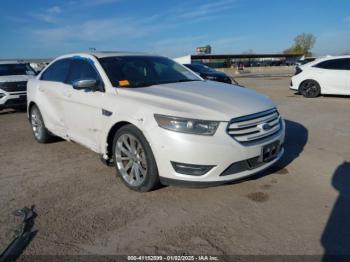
(310, 89)
(41, 134)
(134, 159)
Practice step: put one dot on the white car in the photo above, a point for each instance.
(155, 120)
(329, 75)
(13, 83)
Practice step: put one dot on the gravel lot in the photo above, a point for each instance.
(301, 206)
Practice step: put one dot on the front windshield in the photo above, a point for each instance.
(15, 69)
(141, 71)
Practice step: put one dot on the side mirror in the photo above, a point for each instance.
(30, 73)
(86, 84)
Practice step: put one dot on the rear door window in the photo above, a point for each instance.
(58, 71)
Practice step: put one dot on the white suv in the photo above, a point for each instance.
(154, 119)
(329, 75)
(13, 83)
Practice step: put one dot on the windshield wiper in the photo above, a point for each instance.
(144, 84)
(180, 81)
(187, 80)
(151, 83)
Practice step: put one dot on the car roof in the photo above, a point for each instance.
(325, 58)
(329, 57)
(102, 54)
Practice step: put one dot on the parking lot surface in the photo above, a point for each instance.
(300, 206)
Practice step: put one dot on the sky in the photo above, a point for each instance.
(49, 28)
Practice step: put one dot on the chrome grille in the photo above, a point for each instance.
(255, 127)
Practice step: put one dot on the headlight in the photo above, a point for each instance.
(186, 125)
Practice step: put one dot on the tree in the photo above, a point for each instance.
(303, 43)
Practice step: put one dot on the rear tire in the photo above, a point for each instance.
(310, 89)
(134, 159)
(40, 132)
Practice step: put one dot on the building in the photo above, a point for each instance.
(240, 60)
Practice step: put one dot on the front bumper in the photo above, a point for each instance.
(13, 99)
(220, 151)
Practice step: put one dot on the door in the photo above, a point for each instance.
(335, 76)
(83, 108)
(50, 87)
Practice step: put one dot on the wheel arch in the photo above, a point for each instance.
(111, 133)
(30, 106)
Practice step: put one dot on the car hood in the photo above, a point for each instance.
(199, 99)
(15, 78)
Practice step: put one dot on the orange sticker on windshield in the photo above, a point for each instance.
(124, 83)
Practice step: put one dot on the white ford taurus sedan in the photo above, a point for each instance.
(155, 120)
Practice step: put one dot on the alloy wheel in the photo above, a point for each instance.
(310, 89)
(131, 160)
(37, 124)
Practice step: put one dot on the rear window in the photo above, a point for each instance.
(335, 64)
(15, 69)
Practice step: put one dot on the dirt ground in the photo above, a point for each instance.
(300, 206)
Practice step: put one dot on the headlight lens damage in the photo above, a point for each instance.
(187, 125)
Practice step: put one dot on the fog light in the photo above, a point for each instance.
(189, 169)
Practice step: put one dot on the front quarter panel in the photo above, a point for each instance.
(31, 92)
(124, 110)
